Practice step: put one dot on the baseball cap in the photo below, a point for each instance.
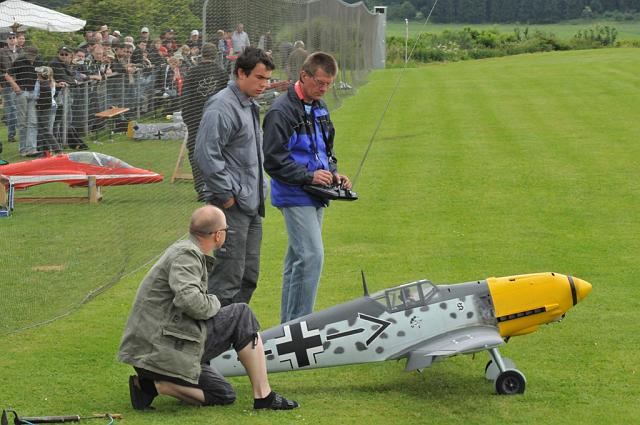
(195, 32)
(168, 30)
(104, 28)
(65, 49)
(144, 29)
(12, 34)
(116, 33)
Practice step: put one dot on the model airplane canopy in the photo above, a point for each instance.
(74, 169)
(18, 13)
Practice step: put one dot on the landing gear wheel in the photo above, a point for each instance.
(510, 382)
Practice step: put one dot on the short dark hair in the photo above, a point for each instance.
(30, 50)
(251, 57)
(321, 60)
(209, 51)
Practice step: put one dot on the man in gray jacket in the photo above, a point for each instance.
(229, 155)
(175, 328)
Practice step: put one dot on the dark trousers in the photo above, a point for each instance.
(235, 275)
(198, 180)
(234, 326)
(45, 139)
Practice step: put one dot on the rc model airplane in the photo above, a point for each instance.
(423, 323)
(74, 169)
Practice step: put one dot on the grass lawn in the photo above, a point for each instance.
(480, 168)
(627, 30)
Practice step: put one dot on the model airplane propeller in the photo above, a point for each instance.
(423, 323)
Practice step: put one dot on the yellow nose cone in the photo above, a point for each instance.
(583, 288)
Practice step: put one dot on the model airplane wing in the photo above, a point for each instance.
(461, 341)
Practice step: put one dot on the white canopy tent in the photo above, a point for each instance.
(18, 13)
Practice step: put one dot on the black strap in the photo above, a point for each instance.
(255, 112)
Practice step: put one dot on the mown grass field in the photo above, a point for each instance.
(627, 30)
(480, 168)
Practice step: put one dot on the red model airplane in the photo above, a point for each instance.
(74, 169)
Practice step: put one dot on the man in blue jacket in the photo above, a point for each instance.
(298, 150)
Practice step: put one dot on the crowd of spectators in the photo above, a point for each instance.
(107, 69)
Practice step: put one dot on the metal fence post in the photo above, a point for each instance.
(85, 115)
(139, 94)
(65, 111)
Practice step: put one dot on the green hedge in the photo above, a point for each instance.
(478, 44)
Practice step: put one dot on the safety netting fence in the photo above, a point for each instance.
(98, 169)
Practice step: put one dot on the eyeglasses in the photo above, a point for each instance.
(63, 54)
(225, 230)
(321, 84)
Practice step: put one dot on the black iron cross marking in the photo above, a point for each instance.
(299, 344)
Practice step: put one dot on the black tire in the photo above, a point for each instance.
(510, 382)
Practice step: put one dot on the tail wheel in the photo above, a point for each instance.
(510, 382)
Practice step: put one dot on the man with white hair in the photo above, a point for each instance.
(194, 39)
(240, 39)
(295, 61)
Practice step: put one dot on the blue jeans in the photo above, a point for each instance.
(303, 262)
(9, 101)
(27, 122)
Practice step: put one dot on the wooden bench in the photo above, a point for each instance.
(110, 113)
(8, 198)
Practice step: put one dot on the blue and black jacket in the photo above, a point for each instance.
(298, 140)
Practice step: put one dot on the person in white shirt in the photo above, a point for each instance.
(240, 39)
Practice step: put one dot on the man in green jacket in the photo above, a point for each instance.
(175, 328)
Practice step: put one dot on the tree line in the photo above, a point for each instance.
(505, 11)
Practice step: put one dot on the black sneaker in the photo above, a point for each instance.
(274, 401)
(139, 399)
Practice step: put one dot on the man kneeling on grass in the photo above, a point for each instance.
(175, 328)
